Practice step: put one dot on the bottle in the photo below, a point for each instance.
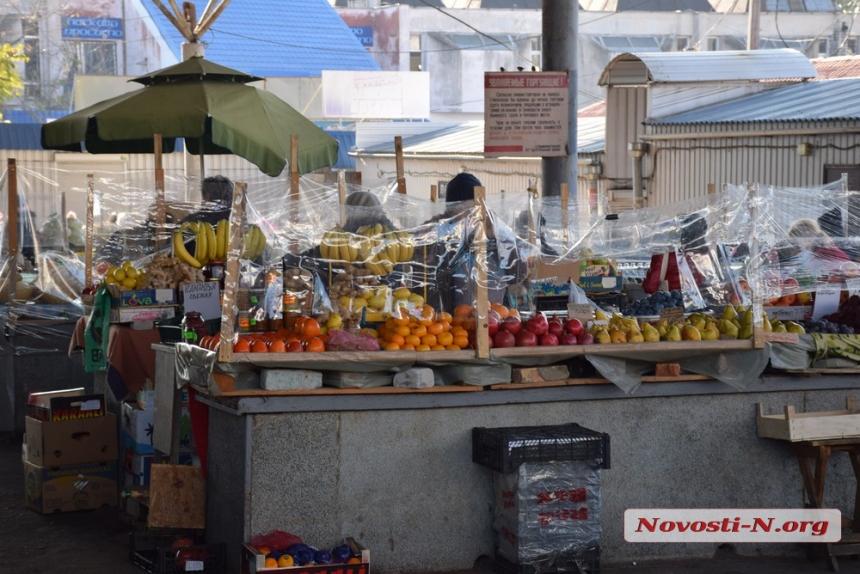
(244, 321)
(193, 328)
(259, 321)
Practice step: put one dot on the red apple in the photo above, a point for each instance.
(567, 339)
(537, 323)
(526, 338)
(574, 327)
(548, 340)
(504, 339)
(555, 327)
(512, 325)
(493, 322)
(585, 338)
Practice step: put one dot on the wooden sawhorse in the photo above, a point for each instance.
(812, 456)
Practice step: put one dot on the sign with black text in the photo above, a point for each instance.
(205, 298)
(526, 114)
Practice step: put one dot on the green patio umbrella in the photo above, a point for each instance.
(204, 103)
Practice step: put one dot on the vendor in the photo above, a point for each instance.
(454, 257)
(217, 194)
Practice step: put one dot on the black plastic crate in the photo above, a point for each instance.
(151, 550)
(580, 562)
(505, 449)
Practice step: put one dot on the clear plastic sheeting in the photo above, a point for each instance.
(806, 239)
(548, 514)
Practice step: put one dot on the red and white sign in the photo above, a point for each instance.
(526, 114)
(732, 525)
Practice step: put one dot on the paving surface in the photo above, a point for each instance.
(96, 542)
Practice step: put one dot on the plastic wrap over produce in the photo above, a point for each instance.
(687, 247)
(807, 241)
(548, 513)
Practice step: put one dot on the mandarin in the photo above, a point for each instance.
(429, 340)
(463, 310)
(500, 309)
(437, 348)
(443, 316)
(435, 328)
(422, 348)
(452, 348)
(412, 340)
(445, 339)
(391, 347)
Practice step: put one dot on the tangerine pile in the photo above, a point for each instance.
(306, 337)
(423, 329)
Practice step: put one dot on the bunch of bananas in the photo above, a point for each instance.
(836, 345)
(254, 243)
(204, 238)
(377, 246)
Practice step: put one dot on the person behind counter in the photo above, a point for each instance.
(217, 194)
(455, 257)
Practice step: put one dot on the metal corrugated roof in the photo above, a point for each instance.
(298, 38)
(825, 100)
(726, 65)
(20, 136)
(468, 139)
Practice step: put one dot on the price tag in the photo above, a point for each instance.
(582, 311)
(826, 301)
(204, 298)
(672, 314)
(853, 286)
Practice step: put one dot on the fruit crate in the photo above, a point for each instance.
(505, 449)
(151, 550)
(580, 562)
(254, 561)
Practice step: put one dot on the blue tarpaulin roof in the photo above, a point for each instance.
(295, 38)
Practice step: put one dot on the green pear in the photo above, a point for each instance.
(793, 327)
(780, 328)
(674, 334)
(650, 333)
(729, 329)
(662, 329)
(748, 317)
(690, 333)
(711, 332)
(635, 336)
(602, 337)
(745, 332)
(729, 312)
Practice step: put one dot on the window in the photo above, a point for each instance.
(415, 53)
(96, 58)
(682, 43)
(32, 69)
(537, 52)
(713, 44)
(850, 46)
(823, 50)
(630, 43)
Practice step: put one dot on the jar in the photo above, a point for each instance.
(244, 321)
(193, 328)
(258, 317)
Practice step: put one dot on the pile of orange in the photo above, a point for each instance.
(307, 336)
(422, 329)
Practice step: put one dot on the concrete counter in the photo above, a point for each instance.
(395, 471)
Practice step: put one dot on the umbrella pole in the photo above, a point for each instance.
(398, 161)
(294, 166)
(159, 191)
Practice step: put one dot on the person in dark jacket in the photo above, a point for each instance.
(454, 257)
(217, 194)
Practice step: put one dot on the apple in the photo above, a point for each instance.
(504, 339)
(512, 325)
(574, 327)
(493, 322)
(526, 338)
(537, 323)
(567, 339)
(548, 340)
(555, 327)
(585, 338)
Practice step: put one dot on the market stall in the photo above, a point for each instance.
(327, 425)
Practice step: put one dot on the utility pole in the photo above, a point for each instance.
(753, 29)
(560, 29)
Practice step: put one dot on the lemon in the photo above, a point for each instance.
(111, 271)
(126, 264)
(119, 275)
(285, 561)
(131, 272)
(129, 283)
(110, 280)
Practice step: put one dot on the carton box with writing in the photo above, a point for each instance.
(70, 488)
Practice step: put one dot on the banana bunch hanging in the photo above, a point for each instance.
(254, 242)
(377, 246)
(208, 246)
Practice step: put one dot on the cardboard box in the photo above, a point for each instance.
(132, 314)
(65, 405)
(137, 468)
(146, 399)
(75, 441)
(137, 428)
(144, 298)
(551, 277)
(70, 488)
